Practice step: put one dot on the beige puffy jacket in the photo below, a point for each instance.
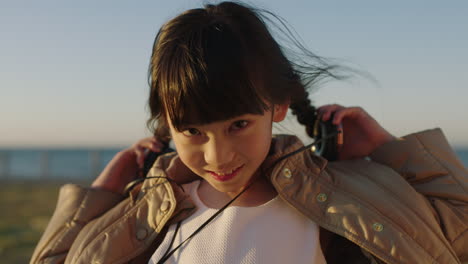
(408, 205)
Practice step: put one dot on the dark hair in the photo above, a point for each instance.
(221, 61)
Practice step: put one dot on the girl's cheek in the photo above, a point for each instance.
(257, 143)
(190, 154)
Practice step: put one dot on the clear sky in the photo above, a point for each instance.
(75, 72)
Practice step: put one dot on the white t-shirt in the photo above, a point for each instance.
(270, 233)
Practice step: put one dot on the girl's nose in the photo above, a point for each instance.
(219, 154)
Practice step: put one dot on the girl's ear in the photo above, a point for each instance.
(280, 111)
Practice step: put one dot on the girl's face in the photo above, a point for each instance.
(228, 153)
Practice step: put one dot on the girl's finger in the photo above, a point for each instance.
(324, 108)
(149, 143)
(142, 148)
(326, 111)
(150, 146)
(156, 145)
(156, 148)
(329, 107)
(345, 112)
(140, 156)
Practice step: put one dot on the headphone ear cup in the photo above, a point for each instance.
(327, 148)
(152, 156)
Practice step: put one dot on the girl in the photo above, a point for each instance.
(233, 193)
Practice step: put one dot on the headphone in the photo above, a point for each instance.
(328, 138)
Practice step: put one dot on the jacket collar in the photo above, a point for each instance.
(288, 152)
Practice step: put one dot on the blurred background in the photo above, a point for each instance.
(73, 84)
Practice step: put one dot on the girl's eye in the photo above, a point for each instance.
(239, 124)
(191, 132)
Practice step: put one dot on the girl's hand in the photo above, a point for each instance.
(126, 165)
(361, 133)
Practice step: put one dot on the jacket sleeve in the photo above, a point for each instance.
(428, 163)
(76, 206)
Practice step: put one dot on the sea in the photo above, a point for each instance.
(74, 164)
(54, 164)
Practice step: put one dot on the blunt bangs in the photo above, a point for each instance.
(208, 76)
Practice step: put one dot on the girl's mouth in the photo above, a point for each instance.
(222, 177)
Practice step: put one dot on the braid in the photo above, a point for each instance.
(305, 113)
